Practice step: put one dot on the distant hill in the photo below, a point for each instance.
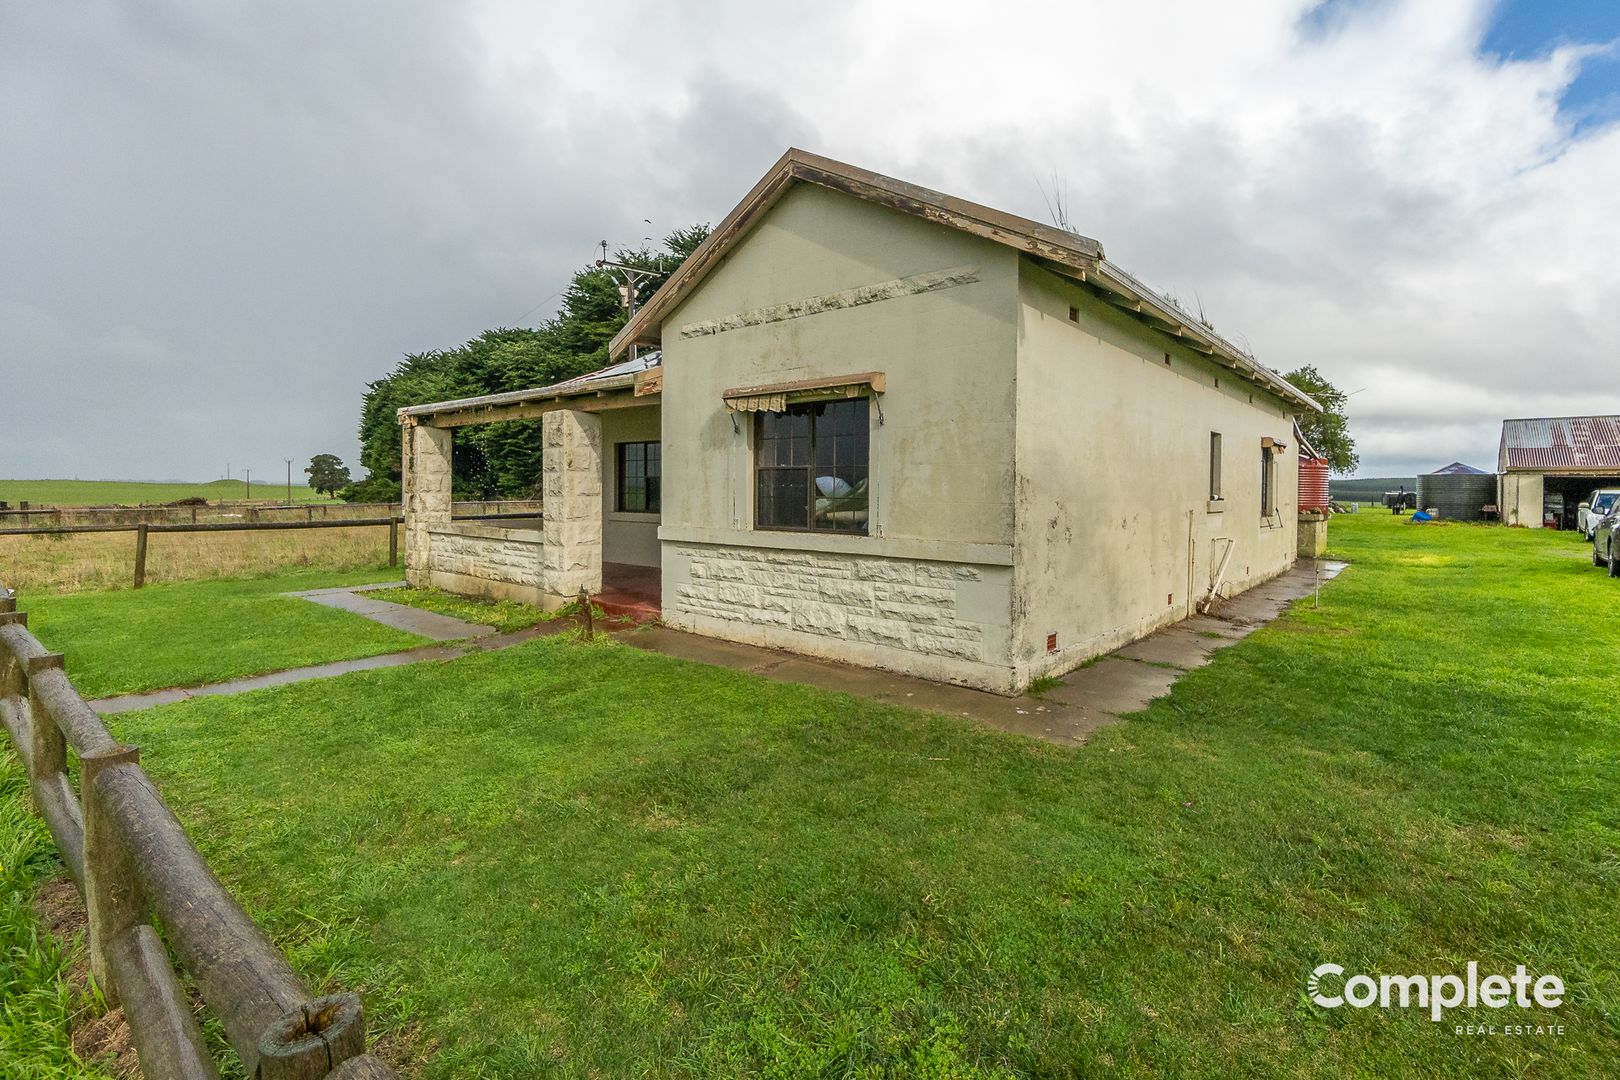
(135, 493)
(1369, 488)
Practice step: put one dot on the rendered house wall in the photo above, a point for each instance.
(1116, 534)
(933, 311)
(627, 537)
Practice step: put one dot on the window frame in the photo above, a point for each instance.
(1268, 482)
(1215, 467)
(652, 494)
(809, 469)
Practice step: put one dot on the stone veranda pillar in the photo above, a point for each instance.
(571, 470)
(427, 498)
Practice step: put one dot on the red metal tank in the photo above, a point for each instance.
(1313, 483)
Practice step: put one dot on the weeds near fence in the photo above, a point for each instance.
(42, 1002)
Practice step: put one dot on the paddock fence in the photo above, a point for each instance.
(43, 517)
(136, 869)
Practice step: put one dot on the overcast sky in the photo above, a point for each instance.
(219, 220)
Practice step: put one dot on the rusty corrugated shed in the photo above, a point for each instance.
(1561, 444)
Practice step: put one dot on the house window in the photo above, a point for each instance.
(640, 473)
(1214, 465)
(810, 467)
(1268, 481)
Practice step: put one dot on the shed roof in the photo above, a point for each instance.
(1070, 254)
(1560, 444)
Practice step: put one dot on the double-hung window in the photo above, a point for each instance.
(810, 467)
(639, 472)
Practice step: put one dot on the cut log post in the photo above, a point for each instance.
(112, 895)
(307, 1042)
(140, 554)
(585, 610)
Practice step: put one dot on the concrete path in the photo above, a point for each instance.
(428, 624)
(1123, 682)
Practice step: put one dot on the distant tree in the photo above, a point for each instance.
(327, 474)
(373, 489)
(1327, 431)
(503, 460)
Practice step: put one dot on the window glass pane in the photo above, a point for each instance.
(638, 470)
(841, 467)
(783, 498)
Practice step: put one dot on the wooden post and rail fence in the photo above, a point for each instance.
(136, 869)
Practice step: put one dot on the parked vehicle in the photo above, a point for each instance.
(1593, 507)
(1605, 549)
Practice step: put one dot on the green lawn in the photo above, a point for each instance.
(581, 859)
(504, 615)
(204, 631)
(134, 493)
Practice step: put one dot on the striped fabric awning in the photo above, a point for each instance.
(776, 397)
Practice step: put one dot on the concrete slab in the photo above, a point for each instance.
(428, 624)
(131, 702)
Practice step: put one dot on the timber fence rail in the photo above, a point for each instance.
(133, 863)
(46, 516)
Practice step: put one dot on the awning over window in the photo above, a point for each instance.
(776, 397)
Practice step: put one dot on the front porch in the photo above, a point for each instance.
(600, 475)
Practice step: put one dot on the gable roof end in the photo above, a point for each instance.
(1077, 257)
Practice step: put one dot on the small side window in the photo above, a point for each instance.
(1214, 465)
(1268, 481)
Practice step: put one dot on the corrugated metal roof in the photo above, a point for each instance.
(1457, 468)
(625, 371)
(1560, 443)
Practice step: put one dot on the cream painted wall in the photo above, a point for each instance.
(941, 453)
(1521, 501)
(1113, 478)
(942, 465)
(626, 537)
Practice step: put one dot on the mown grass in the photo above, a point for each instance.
(137, 493)
(503, 615)
(38, 1001)
(202, 632)
(78, 562)
(583, 859)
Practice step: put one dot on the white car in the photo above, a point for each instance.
(1594, 507)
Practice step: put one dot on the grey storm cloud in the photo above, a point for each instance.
(222, 219)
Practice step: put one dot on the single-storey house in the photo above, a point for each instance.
(1547, 465)
(870, 422)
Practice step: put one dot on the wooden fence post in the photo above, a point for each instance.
(393, 542)
(112, 894)
(48, 746)
(140, 554)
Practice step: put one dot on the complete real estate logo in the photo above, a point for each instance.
(1437, 993)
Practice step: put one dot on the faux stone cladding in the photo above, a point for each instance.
(898, 603)
(514, 561)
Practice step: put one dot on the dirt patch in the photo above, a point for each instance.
(105, 1039)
